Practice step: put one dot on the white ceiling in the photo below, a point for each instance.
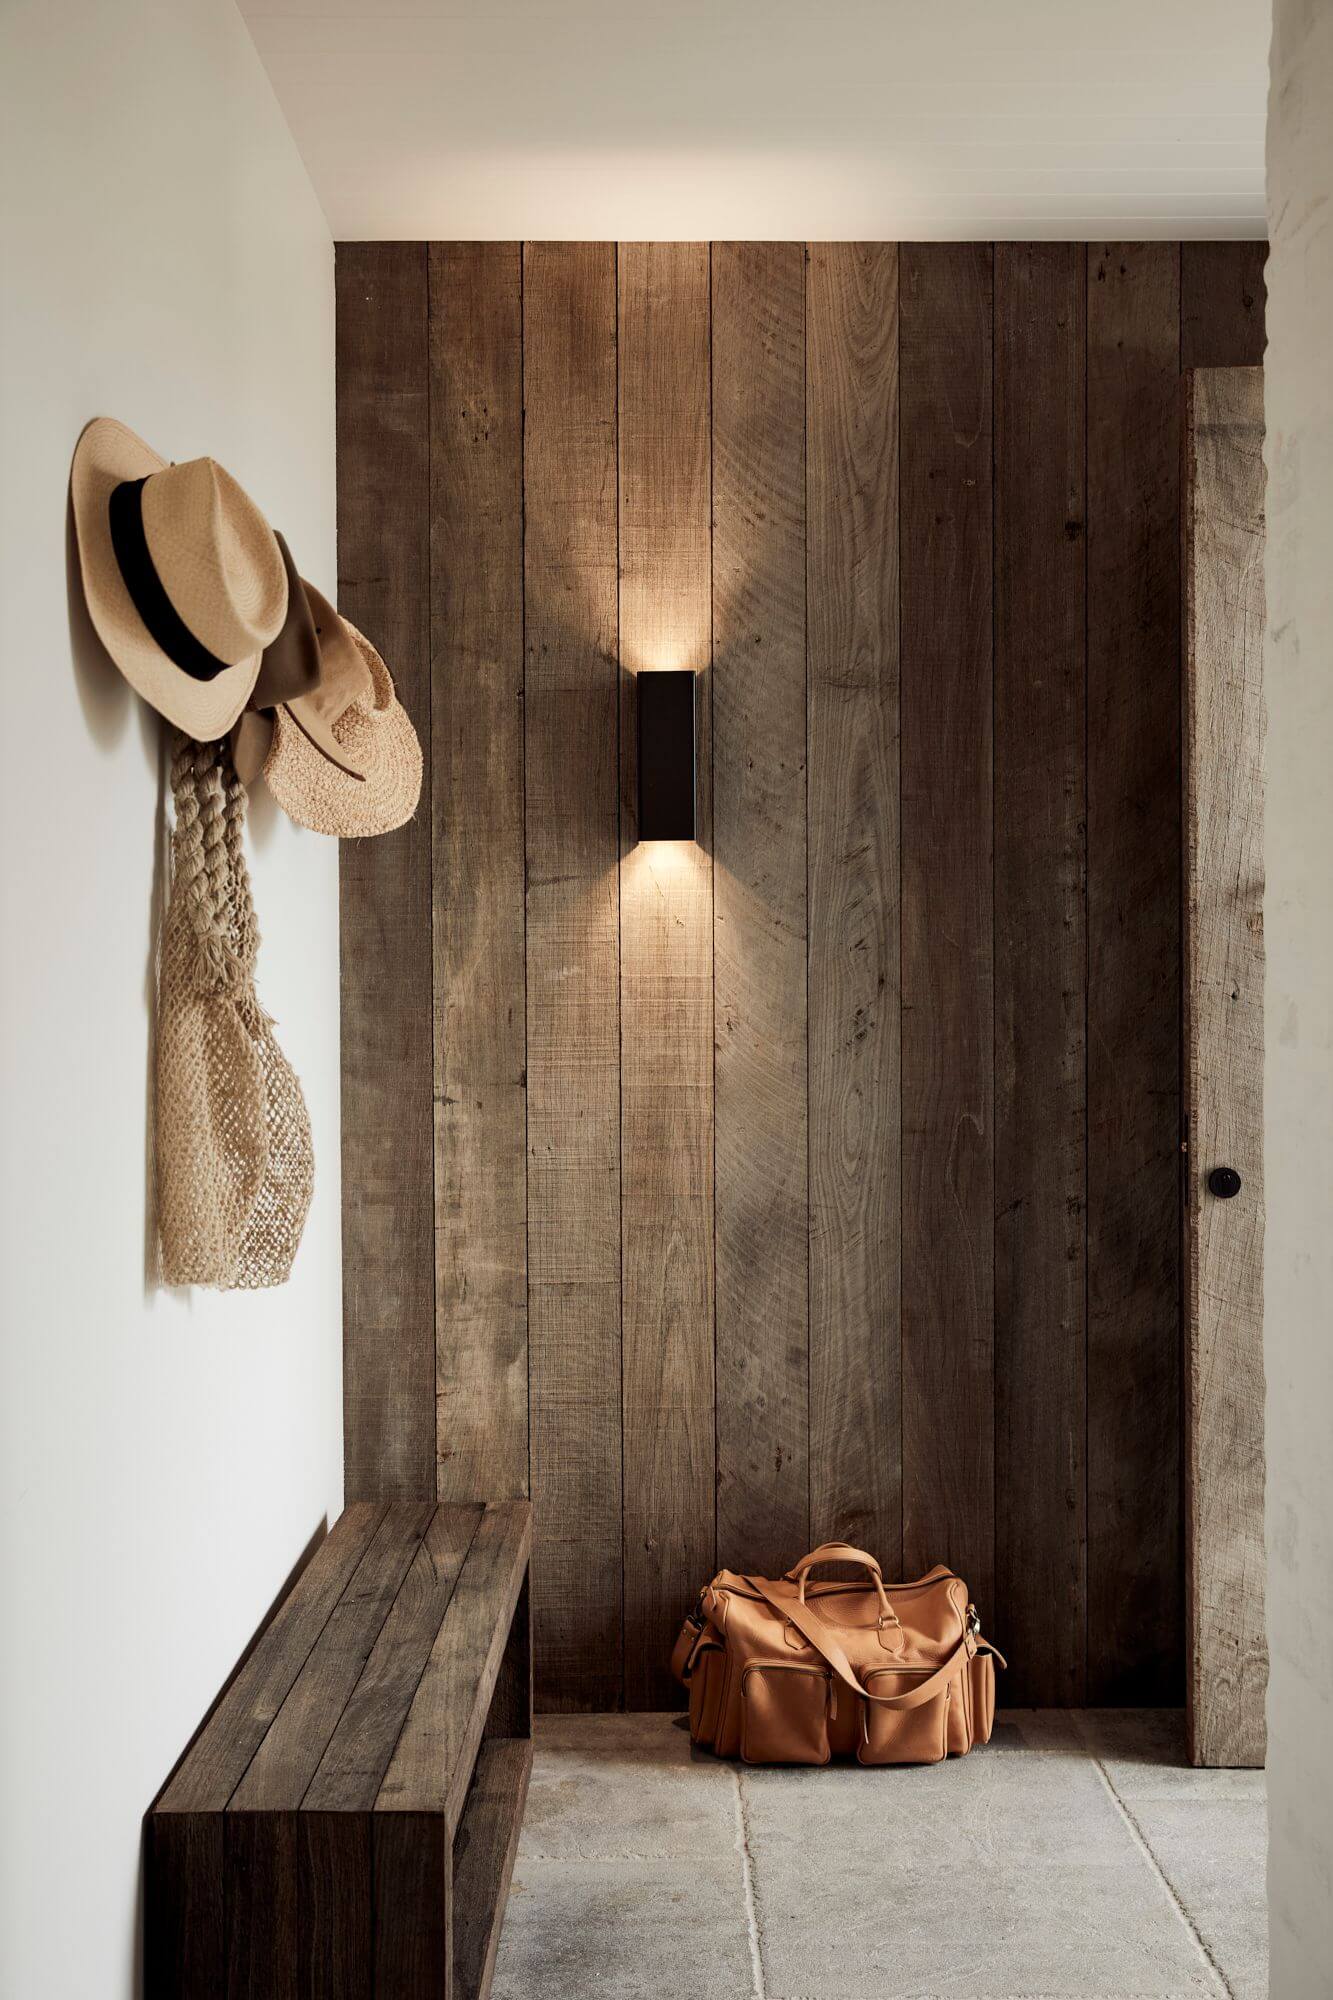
(787, 118)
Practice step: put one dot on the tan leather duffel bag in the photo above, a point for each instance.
(795, 1672)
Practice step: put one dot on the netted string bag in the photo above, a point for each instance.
(273, 1230)
(211, 1139)
(235, 1168)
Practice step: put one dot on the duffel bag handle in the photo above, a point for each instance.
(833, 1552)
(828, 1552)
(822, 1637)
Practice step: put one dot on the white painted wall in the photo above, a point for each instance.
(850, 119)
(165, 1458)
(1298, 1162)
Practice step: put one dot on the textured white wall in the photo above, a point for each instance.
(1298, 1164)
(165, 1458)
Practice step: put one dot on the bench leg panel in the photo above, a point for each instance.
(336, 1949)
(261, 1892)
(510, 1712)
(484, 1850)
(184, 1934)
(413, 1897)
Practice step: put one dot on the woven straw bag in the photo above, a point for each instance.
(235, 1166)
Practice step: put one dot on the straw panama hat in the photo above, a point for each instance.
(184, 580)
(374, 734)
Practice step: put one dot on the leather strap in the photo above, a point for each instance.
(821, 1638)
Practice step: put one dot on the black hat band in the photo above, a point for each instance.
(147, 591)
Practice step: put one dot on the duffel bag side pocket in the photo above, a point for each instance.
(981, 1668)
(905, 1735)
(785, 1713)
(962, 1726)
(706, 1678)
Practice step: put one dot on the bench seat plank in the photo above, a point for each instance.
(289, 1755)
(434, 1757)
(220, 1756)
(352, 1768)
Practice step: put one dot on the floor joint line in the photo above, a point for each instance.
(1142, 1843)
(747, 1881)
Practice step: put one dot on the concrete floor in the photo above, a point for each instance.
(1075, 1856)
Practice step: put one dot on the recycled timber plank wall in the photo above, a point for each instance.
(820, 1178)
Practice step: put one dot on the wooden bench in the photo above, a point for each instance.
(344, 1824)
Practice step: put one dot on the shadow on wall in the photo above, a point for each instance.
(104, 695)
(107, 701)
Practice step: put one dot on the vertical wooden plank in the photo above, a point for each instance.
(1040, 969)
(387, 1070)
(947, 947)
(1224, 1063)
(1222, 299)
(1134, 1504)
(666, 970)
(476, 411)
(573, 980)
(854, 971)
(759, 891)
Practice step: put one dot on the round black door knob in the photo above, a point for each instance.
(1224, 1182)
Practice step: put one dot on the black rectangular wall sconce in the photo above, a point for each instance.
(666, 755)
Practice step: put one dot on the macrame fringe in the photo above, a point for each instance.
(235, 1165)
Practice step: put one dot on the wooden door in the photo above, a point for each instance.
(1223, 1063)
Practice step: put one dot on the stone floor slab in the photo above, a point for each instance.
(993, 1808)
(1143, 1753)
(630, 1930)
(995, 1874)
(625, 1786)
(1214, 1854)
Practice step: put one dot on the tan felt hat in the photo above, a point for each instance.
(290, 664)
(184, 579)
(312, 668)
(251, 741)
(373, 732)
(344, 678)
